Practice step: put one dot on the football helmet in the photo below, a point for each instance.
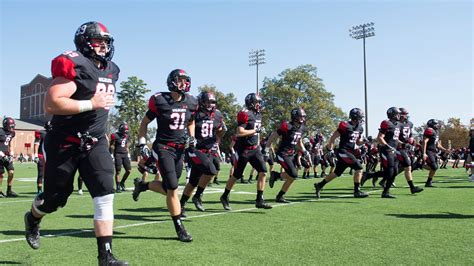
(173, 80)
(94, 30)
(393, 113)
(403, 114)
(356, 115)
(123, 128)
(207, 101)
(253, 102)
(298, 115)
(433, 123)
(8, 124)
(306, 141)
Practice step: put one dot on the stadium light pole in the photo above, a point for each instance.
(361, 32)
(256, 58)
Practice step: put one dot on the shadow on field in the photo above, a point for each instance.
(447, 215)
(146, 237)
(459, 187)
(76, 232)
(9, 262)
(154, 209)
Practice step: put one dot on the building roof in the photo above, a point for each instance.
(28, 124)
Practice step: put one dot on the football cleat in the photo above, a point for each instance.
(261, 204)
(183, 235)
(388, 196)
(363, 179)
(198, 203)
(136, 189)
(429, 184)
(415, 190)
(109, 259)
(225, 203)
(273, 177)
(32, 233)
(282, 200)
(2, 195)
(11, 194)
(80, 192)
(360, 194)
(318, 190)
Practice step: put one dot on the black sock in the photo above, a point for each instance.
(315, 174)
(356, 187)
(117, 184)
(226, 193)
(40, 188)
(280, 194)
(183, 200)
(259, 195)
(123, 181)
(429, 180)
(32, 219)
(304, 175)
(79, 184)
(104, 245)
(177, 222)
(410, 183)
(250, 177)
(322, 183)
(9, 189)
(199, 191)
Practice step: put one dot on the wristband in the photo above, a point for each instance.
(85, 105)
(142, 141)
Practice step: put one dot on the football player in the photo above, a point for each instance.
(209, 128)
(7, 133)
(431, 144)
(174, 112)
(404, 147)
(79, 98)
(249, 127)
(350, 134)
(120, 152)
(291, 137)
(38, 156)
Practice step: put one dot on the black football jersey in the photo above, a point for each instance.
(290, 135)
(172, 117)
(89, 80)
(349, 133)
(406, 131)
(39, 138)
(120, 143)
(248, 120)
(5, 140)
(391, 130)
(433, 138)
(206, 128)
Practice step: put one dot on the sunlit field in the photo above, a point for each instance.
(433, 227)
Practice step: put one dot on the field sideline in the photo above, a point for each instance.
(433, 227)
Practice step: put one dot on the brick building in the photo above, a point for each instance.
(24, 139)
(32, 99)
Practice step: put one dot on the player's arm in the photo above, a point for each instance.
(242, 132)
(143, 130)
(112, 144)
(270, 140)
(332, 139)
(439, 146)
(58, 99)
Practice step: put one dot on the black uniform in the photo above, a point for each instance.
(247, 147)
(172, 119)
(39, 139)
(290, 136)
(120, 151)
(65, 151)
(391, 131)
(403, 152)
(270, 159)
(348, 152)
(432, 147)
(202, 157)
(5, 139)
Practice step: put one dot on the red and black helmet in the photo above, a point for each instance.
(173, 79)
(123, 128)
(207, 101)
(8, 124)
(433, 123)
(298, 115)
(403, 114)
(356, 115)
(253, 102)
(94, 30)
(393, 113)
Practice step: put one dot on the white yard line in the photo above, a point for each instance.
(189, 217)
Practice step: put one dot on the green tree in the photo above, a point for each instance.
(131, 108)
(227, 104)
(455, 132)
(300, 87)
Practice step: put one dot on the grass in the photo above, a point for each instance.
(433, 227)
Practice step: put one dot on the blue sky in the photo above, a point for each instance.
(421, 57)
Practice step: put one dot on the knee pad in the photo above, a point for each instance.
(44, 205)
(104, 207)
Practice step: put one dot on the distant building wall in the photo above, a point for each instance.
(32, 99)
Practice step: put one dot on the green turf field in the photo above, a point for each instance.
(433, 227)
